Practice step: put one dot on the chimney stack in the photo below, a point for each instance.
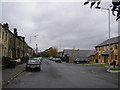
(23, 38)
(15, 31)
(6, 26)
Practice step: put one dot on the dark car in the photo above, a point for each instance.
(81, 61)
(33, 64)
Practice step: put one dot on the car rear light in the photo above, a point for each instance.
(27, 63)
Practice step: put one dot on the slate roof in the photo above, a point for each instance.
(94, 53)
(106, 53)
(78, 53)
(111, 41)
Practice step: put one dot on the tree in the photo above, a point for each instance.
(51, 52)
(115, 7)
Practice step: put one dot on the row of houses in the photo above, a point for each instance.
(12, 45)
(106, 51)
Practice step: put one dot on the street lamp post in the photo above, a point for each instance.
(31, 37)
(109, 33)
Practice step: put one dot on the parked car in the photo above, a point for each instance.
(57, 60)
(33, 64)
(81, 61)
(50, 58)
(53, 59)
(39, 59)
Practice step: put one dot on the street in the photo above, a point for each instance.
(66, 75)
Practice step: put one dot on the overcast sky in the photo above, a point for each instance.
(59, 24)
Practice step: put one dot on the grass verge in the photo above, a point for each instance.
(115, 69)
(96, 64)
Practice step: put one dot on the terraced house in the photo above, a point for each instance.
(0, 39)
(12, 45)
(108, 51)
(4, 41)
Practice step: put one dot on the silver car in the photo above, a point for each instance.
(57, 60)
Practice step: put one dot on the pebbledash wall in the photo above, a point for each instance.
(12, 45)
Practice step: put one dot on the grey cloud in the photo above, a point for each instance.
(64, 25)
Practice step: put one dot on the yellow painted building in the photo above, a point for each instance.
(119, 53)
(107, 51)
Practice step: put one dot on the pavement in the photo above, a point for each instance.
(111, 66)
(10, 74)
(112, 71)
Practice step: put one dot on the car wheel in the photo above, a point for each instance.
(27, 69)
(39, 69)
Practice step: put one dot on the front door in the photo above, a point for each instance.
(105, 59)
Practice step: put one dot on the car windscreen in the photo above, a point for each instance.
(32, 61)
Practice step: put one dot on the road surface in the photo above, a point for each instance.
(66, 75)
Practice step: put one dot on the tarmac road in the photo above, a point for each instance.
(66, 75)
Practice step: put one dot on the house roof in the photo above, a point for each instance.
(111, 41)
(19, 37)
(106, 53)
(94, 53)
(78, 53)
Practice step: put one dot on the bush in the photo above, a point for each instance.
(5, 62)
(12, 64)
(24, 60)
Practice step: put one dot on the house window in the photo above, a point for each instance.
(0, 32)
(3, 35)
(107, 48)
(6, 36)
(111, 47)
(96, 49)
(116, 47)
(99, 56)
(99, 48)
(10, 36)
(116, 57)
(103, 48)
